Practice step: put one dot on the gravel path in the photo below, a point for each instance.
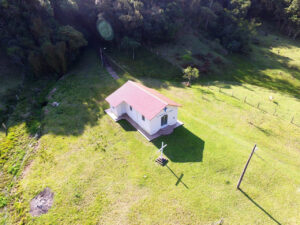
(112, 72)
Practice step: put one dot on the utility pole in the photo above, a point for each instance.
(244, 171)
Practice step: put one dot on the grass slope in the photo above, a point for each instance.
(103, 172)
(274, 64)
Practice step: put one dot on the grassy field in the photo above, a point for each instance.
(274, 64)
(103, 172)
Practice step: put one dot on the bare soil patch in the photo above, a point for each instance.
(41, 203)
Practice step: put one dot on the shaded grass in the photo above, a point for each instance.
(273, 64)
(142, 66)
(104, 174)
(10, 82)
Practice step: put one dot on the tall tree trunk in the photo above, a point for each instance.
(296, 34)
(206, 23)
(283, 25)
(289, 31)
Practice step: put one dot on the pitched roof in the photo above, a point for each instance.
(145, 100)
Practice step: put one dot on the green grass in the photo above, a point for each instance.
(10, 80)
(143, 65)
(274, 64)
(102, 173)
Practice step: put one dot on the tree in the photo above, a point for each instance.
(209, 15)
(190, 73)
(130, 43)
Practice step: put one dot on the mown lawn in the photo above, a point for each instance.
(103, 172)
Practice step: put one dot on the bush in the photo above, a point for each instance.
(36, 62)
(3, 201)
(74, 38)
(187, 57)
(14, 169)
(218, 60)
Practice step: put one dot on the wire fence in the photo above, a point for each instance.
(270, 107)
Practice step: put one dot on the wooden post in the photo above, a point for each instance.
(245, 100)
(5, 128)
(275, 111)
(244, 171)
(292, 121)
(101, 55)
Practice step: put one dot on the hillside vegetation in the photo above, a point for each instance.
(52, 100)
(45, 37)
(104, 172)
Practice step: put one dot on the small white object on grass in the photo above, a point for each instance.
(271, 98)
(55, 104)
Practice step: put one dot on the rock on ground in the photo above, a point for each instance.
(41, 203)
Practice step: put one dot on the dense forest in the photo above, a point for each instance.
(45, 36)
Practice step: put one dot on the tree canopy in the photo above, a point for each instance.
(45, 36)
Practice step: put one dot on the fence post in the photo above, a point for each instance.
(5, 128)
(292, 121)
(275, 111)
(245, 100)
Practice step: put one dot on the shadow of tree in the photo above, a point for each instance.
(183, 146)
(146, 64)
(81, 103)
(80, 95)
(256, 70)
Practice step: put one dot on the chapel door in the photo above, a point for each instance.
(164, 120)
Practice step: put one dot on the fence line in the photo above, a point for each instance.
(257, 106)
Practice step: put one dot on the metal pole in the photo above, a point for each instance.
(244, 171)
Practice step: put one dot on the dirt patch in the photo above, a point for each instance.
(41, 203)
(26, 170)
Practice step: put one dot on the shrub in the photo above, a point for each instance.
(35, 60)
(73, 37)
(187, 57)
(14, 169)
(3, 201)
(218, 60)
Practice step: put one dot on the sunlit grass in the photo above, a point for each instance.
(273, 64)
(101, 173)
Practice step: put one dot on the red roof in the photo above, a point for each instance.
(145, 100)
